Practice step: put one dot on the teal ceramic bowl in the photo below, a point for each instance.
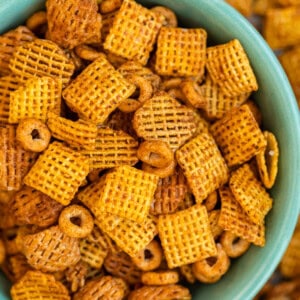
(280, 115)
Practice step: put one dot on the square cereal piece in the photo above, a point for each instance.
(35, 99)
(238, 135)
(250, 193)
(181, 52)
(58, 172)
(133, 32)
(203, 165)
(97, 91)
(234, 219)
(186, 236)
(229, 67)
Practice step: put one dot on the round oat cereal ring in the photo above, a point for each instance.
(211, 269)
(161, 172)
(129, 105)
(155, 153)
(170, 17)
(160, 277)
(88, 53)
(33, 135)
(234, 246)
(211, 201)
(2, 252)
(149, 258)
(76, 221)
(143, 86)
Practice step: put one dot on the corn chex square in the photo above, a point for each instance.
(186, 236)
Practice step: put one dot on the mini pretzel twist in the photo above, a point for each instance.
(160, 277)
(233, 245)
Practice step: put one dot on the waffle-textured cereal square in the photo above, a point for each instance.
(133, 32)
(229, 67)
(58, 172)
(238, 135)
(73, 22)
(97, 91)
(180, 51)
(186, 236)
(35, 99)
(233, 218)
(41, 58)
(203, 165)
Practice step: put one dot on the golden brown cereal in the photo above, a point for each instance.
(75, 275)
(208, 272)
(181, 52)
(149, 258)
(187, 272)
(169, 15)
(193, 93)
(250, 194)
(71, 23)
(233, 246)
(181, 248)
(260, 7)
(2, 252)
(238, 136)
(129, 105)
(37, 22)
(86, 52)
(41, 58)
(97, 91)
(33, 135)
(243, 6)
(211, 201)
(160, 277)
(234, 219)
(58, 172)
(125, 38)
(160, 172)
(197, 155)
(76, 221)
(7, 219)
(107, 22)
(9, 41)
(6, 196)
(10, 240)
(284, 290)
(216, 229)
(229, 67)
(143, 85)
(51, 250)
(108, 6)
(38, 285)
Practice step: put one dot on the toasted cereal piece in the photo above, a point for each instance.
(6, 196)
(41, 58)
(125, 38)
(229, 67)
(163, 118)
(37, 23)
(51, 250)
(58, 172)
(112, 148)
(281, 27)
(250, 194)
(233, 245)
(75, 133)
(35, 99)
(170, 18)
(288, 2)
(9, 41)
(186, 236)
(71, 23)
(188, 201)
(15, 162)
(203, 165)
(213, 217)
(30, 206)
(97, 91)
(7, 219)
(38, 285)
(2, 252)
(106, 287)
(76, 275)
(121, 265)
(211, 201)
(285, 289)
(162, 277)
(243, 6)
(108, 6)
(238, 136)
(234, 219)
(169, 193)
(260, 7)
(180, 51)
(17, 266)
(187, 273)
(172, 291)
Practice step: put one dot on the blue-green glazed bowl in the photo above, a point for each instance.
(280, 115)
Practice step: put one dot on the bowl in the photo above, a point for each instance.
(280, 115)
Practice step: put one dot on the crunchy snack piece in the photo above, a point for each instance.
(37, 23)
(233, 245)
(260, 7)
(106, 287)
(288, 2)
(9, 41)
(97, 91)
(2, 252)
(238, 136)
(181, 52)
(213, 217)
(250, 194)
(51, 250)
(58, 172)
(41, 58)
(71, 23)
(169, 15)
(160, 172)
(160, 277)
(107, 22)
(76, 275)
(38, 285)
(125, 38)
(172, 291)
(243, 6)
(163, 118)
(234, 219)
(7, 219)
(186, 236)
(15, 162)
(229, 67)
(203, 165)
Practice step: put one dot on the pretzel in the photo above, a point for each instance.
(169, 15)
(206, 272)
(160, 277)
(160, 172)
(187, 272)
(75, 275)
(108, 6)
(37, 22)
(86, 52)
(2, 252)
(149, 258)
